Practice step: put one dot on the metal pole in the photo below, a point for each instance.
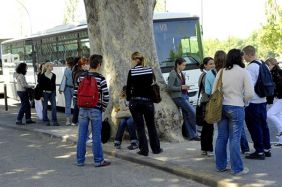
(5, 97)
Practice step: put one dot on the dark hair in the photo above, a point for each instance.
(179, 61)
(205, 62)
(40, 68)
(234, 56)
(219, 59)
(70, 61)
(21, 68)
(95, 60)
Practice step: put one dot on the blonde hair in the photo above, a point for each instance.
(271, 61)
(139, 56)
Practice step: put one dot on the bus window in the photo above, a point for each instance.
(18, 51)
(67, 49)
(84, 48)
(177, 38)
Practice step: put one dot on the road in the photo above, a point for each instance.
(30, 159)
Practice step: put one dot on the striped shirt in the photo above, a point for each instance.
(139, 82)
(102, 87)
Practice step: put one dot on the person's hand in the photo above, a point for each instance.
(42, 98)
(184, 87)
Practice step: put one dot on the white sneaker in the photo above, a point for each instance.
(68, 121)
(243, 172)
(74, 124)
(89, 141)
(209, 153)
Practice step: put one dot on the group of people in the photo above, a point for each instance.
(240, 103)
(136, 107)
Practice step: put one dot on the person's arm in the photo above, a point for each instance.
(105, 94)
(170, 84)
(209, 83)
(248, 87)
(22, 81)
(128, 86)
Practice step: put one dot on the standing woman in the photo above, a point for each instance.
(22, 87)
(178, 91)
(48, 85)
(67, 87)
(139, 95)
(235, 95)
(207, 130)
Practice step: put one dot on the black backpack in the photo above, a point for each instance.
(264, 86)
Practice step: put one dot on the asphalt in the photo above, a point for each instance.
(183, 159)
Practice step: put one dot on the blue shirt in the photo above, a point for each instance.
(68, 75)
(210, 77)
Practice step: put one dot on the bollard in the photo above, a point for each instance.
(5, 97)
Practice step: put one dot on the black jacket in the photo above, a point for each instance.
(47, 84)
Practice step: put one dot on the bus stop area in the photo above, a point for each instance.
(183, 159)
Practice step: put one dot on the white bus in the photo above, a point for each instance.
(176, 35)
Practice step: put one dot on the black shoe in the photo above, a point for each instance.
(267, 153)
(195, 139)
(132, 146)
(56, 124)
(278, 144)
(30, 121)
(255, 155)
(20, 123)
(159, 151)
(141, 153)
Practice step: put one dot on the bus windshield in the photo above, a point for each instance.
(177, 38)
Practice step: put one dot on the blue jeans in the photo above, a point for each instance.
(257, 126)
(244, 142)
(95, 117)
(25, 106)
(189, 115)
(68, 98)
(52, 98)
(230, 127)
(128, 121)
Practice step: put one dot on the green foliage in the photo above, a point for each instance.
(70, 12)
(160, 6)
(267, 40)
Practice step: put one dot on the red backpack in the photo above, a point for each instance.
(88, 93)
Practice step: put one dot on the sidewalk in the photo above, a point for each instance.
(183, 159)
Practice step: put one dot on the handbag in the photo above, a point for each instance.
(214, 105)
(123, 114)
(156, 95)
(106, 131)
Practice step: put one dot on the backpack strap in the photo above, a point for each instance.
(256, 62)
(201, 86)
(213, 72)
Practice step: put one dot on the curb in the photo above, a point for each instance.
(202, 177)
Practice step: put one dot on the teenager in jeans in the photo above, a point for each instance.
(67, 87)
(178, 91)
(235, 95)
(94, 116)
(126, 120)
(48, 86)
(139, 95)
(22, 87)
(256, 113)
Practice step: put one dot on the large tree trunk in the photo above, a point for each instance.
(117, 29)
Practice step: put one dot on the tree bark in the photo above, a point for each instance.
(117, 29)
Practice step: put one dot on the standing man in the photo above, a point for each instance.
(94, 115)
(255, 113)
